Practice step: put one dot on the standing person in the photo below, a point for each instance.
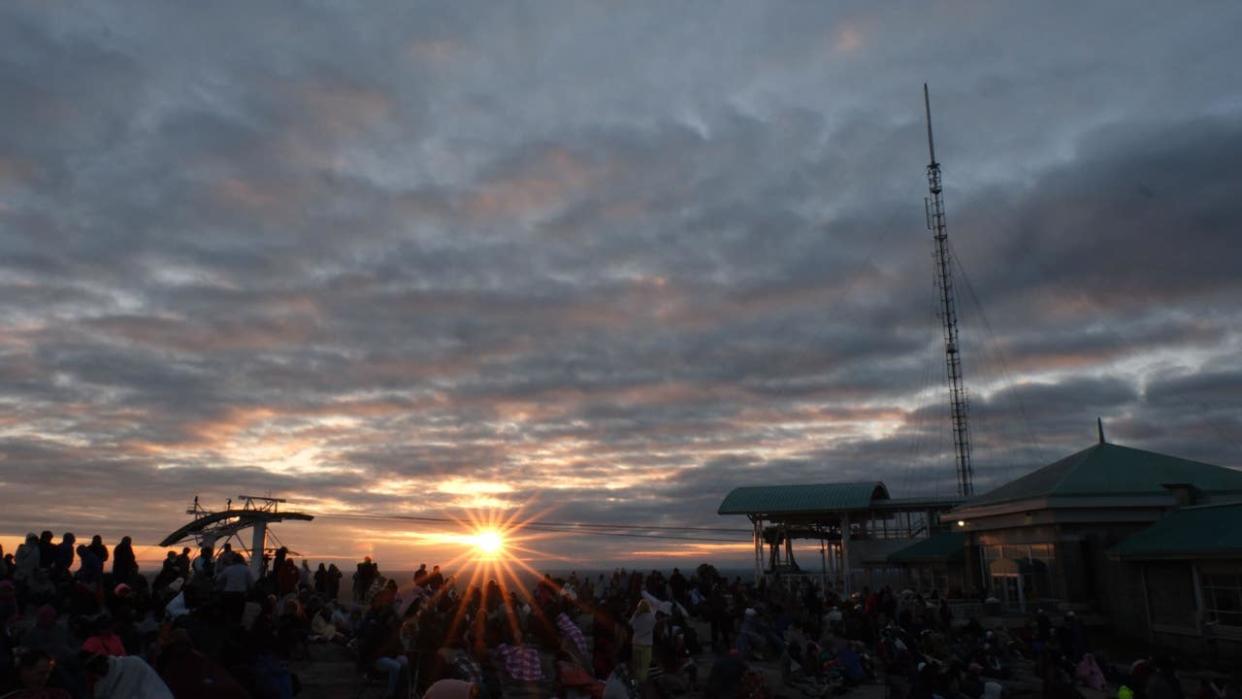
(642, 623)
(321, 580)
(287, 577)
(64, 554)
(334, 581)
(678, 585)
(721, 622)
(204, 567)
(26, 562)
(91, 569)
(47, 549)
(124, 565)
(98, 548)
(363, 577)
(306, 575)
(235, 580)
(169, 572)
(183, 562)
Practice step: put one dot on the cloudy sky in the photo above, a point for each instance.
(603, 260)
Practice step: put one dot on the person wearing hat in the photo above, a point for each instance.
(127, 676)
(124, 564)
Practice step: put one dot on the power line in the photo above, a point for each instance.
(582, 528)
(597, 525)
(1000, 356)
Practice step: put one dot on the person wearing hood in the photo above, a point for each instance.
(125, 677)
(98, 548)
(124, 565)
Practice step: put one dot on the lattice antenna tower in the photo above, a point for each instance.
(947, 310)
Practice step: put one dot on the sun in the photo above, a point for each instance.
(490, 543)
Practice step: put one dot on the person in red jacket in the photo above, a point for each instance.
(287, 577)
(104, 641)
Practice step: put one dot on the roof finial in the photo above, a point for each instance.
(1099, 423)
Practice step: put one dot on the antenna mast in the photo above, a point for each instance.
(947, 310)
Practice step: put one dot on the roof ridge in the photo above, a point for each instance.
(1209, 505)
(1162, 455)
(1076, 460)
(810, 485)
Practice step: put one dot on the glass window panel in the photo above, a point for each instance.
(1222, 597)
(1170, 589)
(1225, 618)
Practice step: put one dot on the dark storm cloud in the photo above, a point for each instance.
(609, 261)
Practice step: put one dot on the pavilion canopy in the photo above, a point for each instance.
(802, 499)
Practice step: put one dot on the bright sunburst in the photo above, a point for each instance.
(494, 545)
(490, 543)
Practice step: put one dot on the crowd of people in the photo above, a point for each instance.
(80, 620)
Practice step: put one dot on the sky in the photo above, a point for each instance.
(597, 261)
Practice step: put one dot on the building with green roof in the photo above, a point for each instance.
(1104, 475)
(1188, 568)
(1118, 530)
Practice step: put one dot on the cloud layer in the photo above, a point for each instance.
(603, 261)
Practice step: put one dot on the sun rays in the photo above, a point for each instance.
(495, 547)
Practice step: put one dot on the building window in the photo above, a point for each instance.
(1038, 565)
(1222, 598)
(1170, 594)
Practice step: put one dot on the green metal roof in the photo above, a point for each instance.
(1109, 469)
(945, 546)
(1205, 530)
(786, 499)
